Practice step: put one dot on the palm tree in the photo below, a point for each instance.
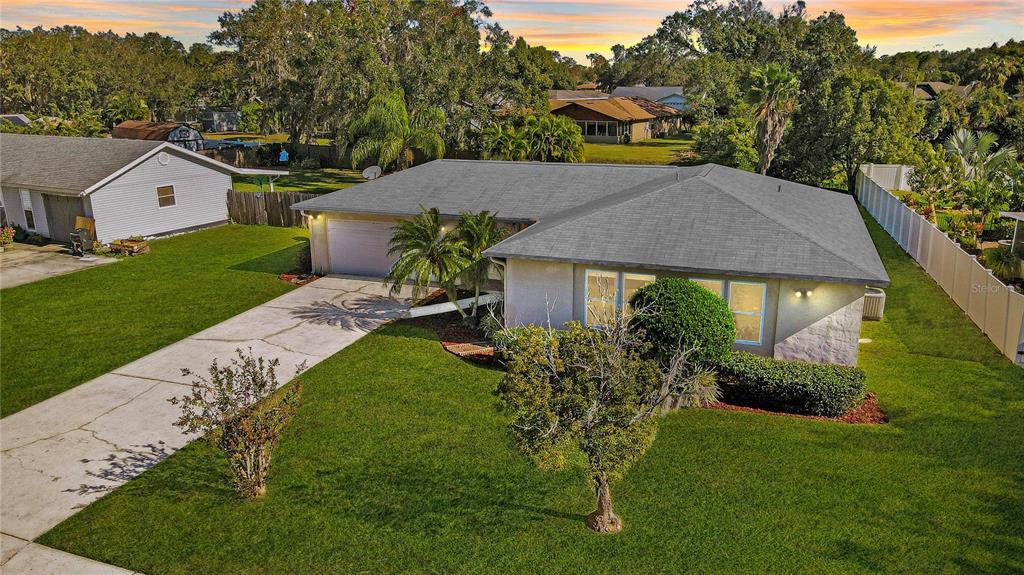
(505, 142)
(978, 154)
(390, 133)
(426, 252)
(477, 233)
(773, 93)
(553, 138)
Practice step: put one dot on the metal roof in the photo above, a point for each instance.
(706, 218)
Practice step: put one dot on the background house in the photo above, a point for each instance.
(608, 120)
(129, 187)
(928, 91)
(668, 121)
(182, 135)
(578, 94)
(669, 95)
(792, 261)
(221, 119)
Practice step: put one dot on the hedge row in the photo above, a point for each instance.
(791, 386)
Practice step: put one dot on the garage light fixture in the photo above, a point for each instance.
(804, 293)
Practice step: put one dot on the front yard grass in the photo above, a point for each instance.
(674, 150)
(319, 181)
(63, 331)
(398, 462)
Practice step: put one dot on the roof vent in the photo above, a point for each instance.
(163, 158)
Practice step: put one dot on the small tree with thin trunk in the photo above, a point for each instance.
(590, 390)
(236, 409)
(773, 92)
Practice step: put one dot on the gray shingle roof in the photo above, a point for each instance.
(652, 93)
(62, 163)
(700, 218)
(515, 191)
(719, 220)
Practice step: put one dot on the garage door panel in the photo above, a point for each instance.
(359, 247)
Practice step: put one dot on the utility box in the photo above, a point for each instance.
(874, 304)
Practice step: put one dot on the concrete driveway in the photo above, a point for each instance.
(60, 455)
(26, 263)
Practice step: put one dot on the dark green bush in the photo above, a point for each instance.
(674, 311)
(791, 386)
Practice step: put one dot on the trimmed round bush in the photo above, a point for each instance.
(675, 311)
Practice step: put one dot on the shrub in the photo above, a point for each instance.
(674, 311)
(304, 260)
(791, 386)
(237, 409)
(1003, 263)
(35, 239)
(6, 236)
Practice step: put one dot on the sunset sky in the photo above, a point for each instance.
(574, 27)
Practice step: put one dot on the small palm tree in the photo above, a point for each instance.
(773, 93)
(978, 154)
(426, 252)
(553, 138)
(505, 142)
(390, 133)
(477, 233)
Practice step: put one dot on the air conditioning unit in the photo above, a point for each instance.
(874, 304)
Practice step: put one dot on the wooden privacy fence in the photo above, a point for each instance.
(266, 208)
(994, 307)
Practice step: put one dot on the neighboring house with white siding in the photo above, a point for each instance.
(792, 261)
(129, 187)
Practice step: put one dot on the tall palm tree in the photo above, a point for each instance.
(477, 233)
(505, 142)
(426, 252)
(390, 133)
(773, 93)
(978, 154)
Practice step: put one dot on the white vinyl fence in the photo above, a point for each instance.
(889, 176)
(995, 308)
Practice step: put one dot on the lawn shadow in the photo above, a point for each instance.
(279, 262)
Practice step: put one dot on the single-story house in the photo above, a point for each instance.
(221, 118)
(176, 133)
(668, 121)
(792, 261)
(19, 120)
(129, 187)
(928, 91)
(669, 95)
(609, 120)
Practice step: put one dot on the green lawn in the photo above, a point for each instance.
(675, 150)
(320, 181)
(276, 138)
(63, 331)
(398, 462)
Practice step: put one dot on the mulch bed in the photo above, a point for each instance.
(297, 279)
(868, 414)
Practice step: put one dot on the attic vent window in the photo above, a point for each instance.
(165, 196)
(164, 158)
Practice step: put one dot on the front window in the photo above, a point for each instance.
(608, 294)
(716, 287)
(746, 300)
(26, 206)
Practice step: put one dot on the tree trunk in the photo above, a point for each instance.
(603, 520)
(453, 296)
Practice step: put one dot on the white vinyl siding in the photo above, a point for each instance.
(129, 205)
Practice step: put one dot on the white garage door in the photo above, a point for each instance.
(359, 247)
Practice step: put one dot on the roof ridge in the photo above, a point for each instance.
(659, 167)
(615, 198)
(795, 231)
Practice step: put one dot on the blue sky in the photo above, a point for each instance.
(574, 27)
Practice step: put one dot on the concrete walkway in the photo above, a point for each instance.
(25, 263)
(60, 455)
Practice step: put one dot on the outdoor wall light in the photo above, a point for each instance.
(804, 293)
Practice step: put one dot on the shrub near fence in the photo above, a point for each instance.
(996, 309)
(266, 208)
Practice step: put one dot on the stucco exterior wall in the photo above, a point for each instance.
(536, 290)
(824, 327)
(128, 205)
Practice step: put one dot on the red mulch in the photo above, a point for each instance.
(870, 413)
(297, 279)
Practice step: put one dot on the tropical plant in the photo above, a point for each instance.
(505, 142)
(936, 180)
(425, 253)
(978, 153)
(591, 391)
(120, 107)
(773, 94)
(1004, 264)
(236, 409)
(984, 199)
(390, 134)
(477, 232)
(553, 138)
